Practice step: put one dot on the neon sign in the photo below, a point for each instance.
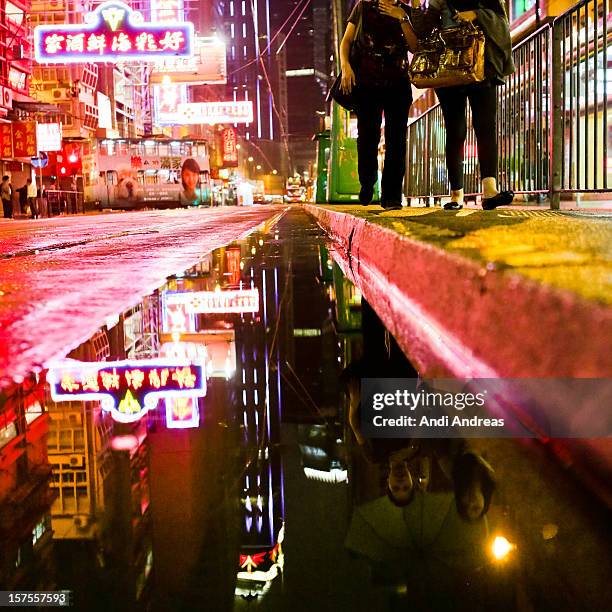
(127, 389)
(204, 302)
(111, 33)
(182, 413)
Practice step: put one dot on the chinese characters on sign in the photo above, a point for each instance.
(200, 302)
(230, 152)
(6, 141)
(127, 389)
(24, 139)
(113, 32)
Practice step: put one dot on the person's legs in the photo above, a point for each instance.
(7, 209)
(397, 101)
(453, 104)
(483, 102)
(369, 120)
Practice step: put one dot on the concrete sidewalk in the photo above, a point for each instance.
(508, 293)
(61, 278)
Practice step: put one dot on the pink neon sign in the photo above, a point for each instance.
(127, 389)
(112, 33)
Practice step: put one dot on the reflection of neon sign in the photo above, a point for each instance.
(203, 302)
(113, 32)
(182, 413)
(126, 389)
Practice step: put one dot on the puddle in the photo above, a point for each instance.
(244, 486)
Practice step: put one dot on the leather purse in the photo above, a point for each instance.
(346, 100)
(449, 57)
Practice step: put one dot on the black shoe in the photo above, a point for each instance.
(503, 198)
(391, 205)
(365, 195)
(453, 206)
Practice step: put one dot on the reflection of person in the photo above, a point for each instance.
(190, 180)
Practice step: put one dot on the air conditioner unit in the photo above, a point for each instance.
(60, 94)
(76, 460)
(6, 97)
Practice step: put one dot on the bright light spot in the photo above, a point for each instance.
(253, 251)
(260, 242)
(238, 147)
(501, 548)
(251, 159)
(258, 167)
(274, 171)
(124, 443)
(166, 80)
(72, 158)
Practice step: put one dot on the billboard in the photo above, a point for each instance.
(207, 66)
(208, 113)
(229, 148)
(49, 136)
(112, 33)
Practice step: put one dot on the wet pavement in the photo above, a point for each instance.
(570, 250)
(268, 501)
(60, 278)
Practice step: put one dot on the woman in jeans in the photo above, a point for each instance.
(374, 61)
(490, 16)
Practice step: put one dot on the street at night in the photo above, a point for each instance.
(306, 305)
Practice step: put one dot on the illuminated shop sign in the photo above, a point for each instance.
(182, 413)
(126, 389)
(49, 136)
(212, 113)
(208, 113)
(208, 65)
(167, 10)
(204, 302)
(113, 32)
(230, 151)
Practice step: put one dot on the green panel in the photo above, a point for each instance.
(342, 178)
(323, 150)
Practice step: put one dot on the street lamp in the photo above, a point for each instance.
(258, 167)
(251, 159)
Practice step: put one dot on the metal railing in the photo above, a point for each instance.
(58, 202)
(554, 123)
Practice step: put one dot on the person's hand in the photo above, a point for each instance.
(468, 15)
(391, 9)
(348, 79)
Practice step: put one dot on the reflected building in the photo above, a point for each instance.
(25, 495)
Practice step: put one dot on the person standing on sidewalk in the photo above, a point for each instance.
(491, 17)
(32, 195)
(6, 193)
(374, 62)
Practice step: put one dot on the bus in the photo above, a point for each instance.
(130, 173)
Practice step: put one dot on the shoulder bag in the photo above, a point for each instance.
(449, 57)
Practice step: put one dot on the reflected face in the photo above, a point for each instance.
(472, 502)
(400, 481)
(190, 179)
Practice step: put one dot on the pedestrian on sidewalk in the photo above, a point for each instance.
(23, 198)
(6, 193)
(32, 193)
(491, 17)
(374, 62)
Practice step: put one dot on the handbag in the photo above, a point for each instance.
(449, 57)
(346, 100)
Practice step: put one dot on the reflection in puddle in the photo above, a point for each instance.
(247, 483)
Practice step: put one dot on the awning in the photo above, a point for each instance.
(36, 107)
